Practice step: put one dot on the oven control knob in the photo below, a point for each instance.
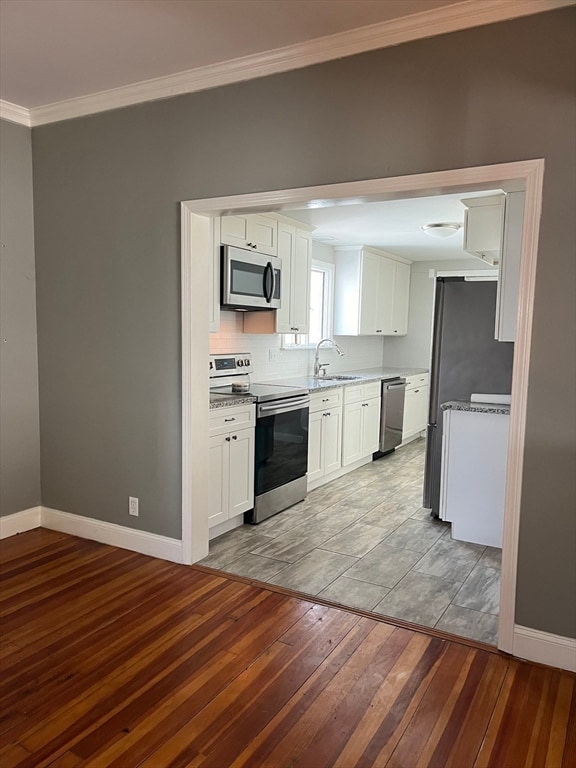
(240, 363)
(211, 365)
(246, 362)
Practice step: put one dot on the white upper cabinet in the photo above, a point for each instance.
(254, 231)
(401, 299)
(493, 233)
(214, 279)
(483, 223)
(372, 293)
(509, 272)
(295, 250)
(369, 307)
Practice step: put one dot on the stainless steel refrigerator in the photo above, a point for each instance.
(466, 358)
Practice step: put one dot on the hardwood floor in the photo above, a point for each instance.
(110, 658)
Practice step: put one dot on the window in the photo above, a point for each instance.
(321, 306)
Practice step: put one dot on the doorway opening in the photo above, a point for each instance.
(196, 250)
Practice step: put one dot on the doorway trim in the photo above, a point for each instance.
(198, 248)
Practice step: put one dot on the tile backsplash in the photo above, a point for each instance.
(271, 362)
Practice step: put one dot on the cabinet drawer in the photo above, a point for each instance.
(329, 399)
(354, 394)
(418, 380)
(229, 419)
(372, 389)
(358, 392)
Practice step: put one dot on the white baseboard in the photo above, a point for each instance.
(545, 648)
(19, 522)
(116, 535)
(106, 533)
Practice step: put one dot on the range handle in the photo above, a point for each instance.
(283, 406)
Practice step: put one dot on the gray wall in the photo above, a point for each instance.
(19, 433)
(107, 189)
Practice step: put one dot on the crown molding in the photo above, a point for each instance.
(437, 21)
(15, 114)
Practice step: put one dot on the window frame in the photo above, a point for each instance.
(294, 341)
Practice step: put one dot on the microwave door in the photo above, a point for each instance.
(250, 280)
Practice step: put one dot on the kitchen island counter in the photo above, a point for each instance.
(473, 407)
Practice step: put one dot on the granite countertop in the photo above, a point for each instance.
(226, 401)
(463, 405)
(312, 384)
(366, 374)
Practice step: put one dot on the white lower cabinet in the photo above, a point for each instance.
(361, 422)
(231, 463)
(324, 434)
(473, 477)
(415, 406)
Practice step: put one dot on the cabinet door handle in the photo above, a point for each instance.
(327, 414)
(416, 391)
(232, 419)
(234, 437)
(325, 399)
(227, 439)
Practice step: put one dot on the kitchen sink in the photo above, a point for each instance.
(335, 377)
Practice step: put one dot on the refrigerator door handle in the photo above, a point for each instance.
(436, 350)
(427, 502)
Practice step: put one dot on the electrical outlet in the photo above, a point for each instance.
(133, 506)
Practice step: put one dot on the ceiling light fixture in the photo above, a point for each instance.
(442, 229)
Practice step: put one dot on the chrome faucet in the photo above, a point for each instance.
(317, 364)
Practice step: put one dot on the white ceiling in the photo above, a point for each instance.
(394, 225)
(51, 50)
(65, 58)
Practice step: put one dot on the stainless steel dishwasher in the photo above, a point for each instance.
(391, 415)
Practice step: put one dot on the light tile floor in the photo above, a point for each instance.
(365, 541)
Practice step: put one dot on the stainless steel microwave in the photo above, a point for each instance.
(249, 280)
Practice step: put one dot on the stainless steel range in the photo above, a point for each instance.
(281, 444)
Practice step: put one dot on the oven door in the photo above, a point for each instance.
(281, 443)
(250, 280)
